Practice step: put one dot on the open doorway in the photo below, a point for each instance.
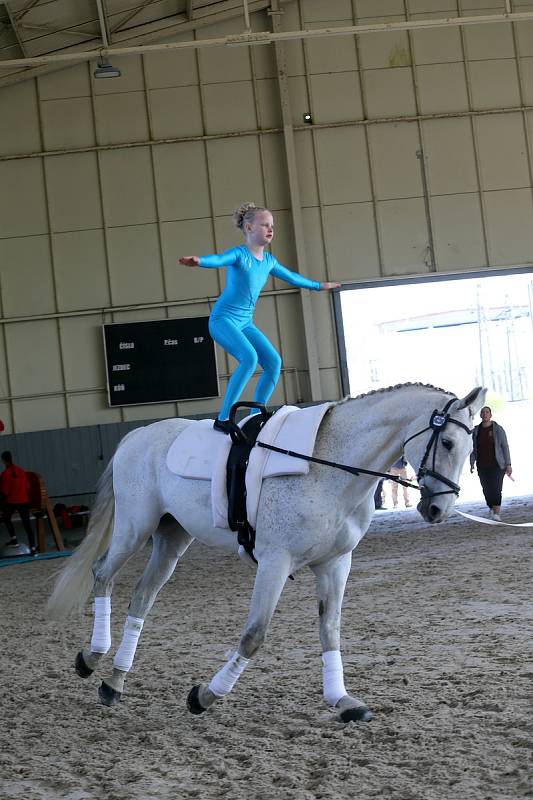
(455, 332)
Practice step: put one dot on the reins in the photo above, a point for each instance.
(344, 467)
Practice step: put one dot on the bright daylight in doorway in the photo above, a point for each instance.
(455, 334)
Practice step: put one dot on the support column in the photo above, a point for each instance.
(296, 206)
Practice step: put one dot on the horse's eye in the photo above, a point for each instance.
(447, 443)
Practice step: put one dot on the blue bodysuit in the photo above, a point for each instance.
(231, 320)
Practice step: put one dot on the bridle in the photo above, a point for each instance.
(437, 423)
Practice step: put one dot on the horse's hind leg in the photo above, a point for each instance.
(170, 541)
(272, 574)
(131, 530)
(331, 580)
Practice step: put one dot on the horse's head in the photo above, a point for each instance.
(440, 448)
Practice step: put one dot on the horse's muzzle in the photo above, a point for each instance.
(430, 510)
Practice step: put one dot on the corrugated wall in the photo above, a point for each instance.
(143, 168)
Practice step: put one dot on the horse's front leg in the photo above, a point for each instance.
(272, 574)
(331, 578)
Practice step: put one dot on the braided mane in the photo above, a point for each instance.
(392, 388)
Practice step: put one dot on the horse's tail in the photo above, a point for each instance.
(76, 581)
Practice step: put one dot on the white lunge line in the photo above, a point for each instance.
(493, 521)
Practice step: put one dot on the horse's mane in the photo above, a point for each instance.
(392, 388)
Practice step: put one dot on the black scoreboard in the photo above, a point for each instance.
(160, 361)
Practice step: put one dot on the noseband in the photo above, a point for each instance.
(437, 423)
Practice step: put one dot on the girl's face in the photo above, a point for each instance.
(260, 230)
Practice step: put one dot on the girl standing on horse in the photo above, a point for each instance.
(231, 322)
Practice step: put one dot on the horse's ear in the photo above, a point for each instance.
(474, 400)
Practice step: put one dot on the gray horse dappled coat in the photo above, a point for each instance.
(313, 520)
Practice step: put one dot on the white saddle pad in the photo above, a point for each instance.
(201, 453)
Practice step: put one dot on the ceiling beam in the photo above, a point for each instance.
(133, 13)
(102, 22)
(248, 39)
(189, 9)
(18, 15)
(66, 31)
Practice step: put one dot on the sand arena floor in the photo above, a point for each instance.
(437, 639)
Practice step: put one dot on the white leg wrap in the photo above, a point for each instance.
(126, 652)
(333, 677)
(101, 640)
(226, 678)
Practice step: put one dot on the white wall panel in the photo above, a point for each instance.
(128, 186)
(121, 118)
(268, 103)
(386, 8)
(80, 270)
(509, 228)
(291, 326)
(350, 239)
(336, 97)
(502, 151)
(135, 265)
(73, 81)
(494, 84)
(439, 46)
(176, 112)
(229, 107)
(344, 173)
(324, 328)
(276, 180)
(171, 68)
(193, 237)
(486, 42)
(305, 164)
(442, 88)
(83, 349)
(524, 38)
(335, 54)
(67, 123)
(34, 357)
(380, 50)
(223, 64)
(22, 198)
(26, 279)
(299, 98)
(317, 11)
(314, 245)
(395, 166)
(389, 92)
(91, 409)
(39, 414)
(526, 67)
(283, 247)
(404, 236)
(19, 119)
(181, 181)
(73, 205)
(235, 170)
(458, 231)
(450, 156)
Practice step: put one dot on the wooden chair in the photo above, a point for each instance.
(41, 509)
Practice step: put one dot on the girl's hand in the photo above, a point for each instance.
(190, 261)
(329, 285)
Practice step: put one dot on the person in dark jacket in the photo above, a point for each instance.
(491, 454)
(14, 487)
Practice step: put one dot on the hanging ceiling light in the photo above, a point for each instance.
(106, 70)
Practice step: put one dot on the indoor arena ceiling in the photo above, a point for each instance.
(31, 28)
(39, 36)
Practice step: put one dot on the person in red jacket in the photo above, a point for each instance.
(14, 487)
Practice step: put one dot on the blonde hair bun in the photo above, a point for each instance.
(245, 213)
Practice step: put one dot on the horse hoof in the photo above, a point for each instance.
(357, 714)
(81, 667)
(109, 696)
(193, 701)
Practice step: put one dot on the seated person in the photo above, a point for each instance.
(14, 487)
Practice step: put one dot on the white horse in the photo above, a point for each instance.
(313, 520)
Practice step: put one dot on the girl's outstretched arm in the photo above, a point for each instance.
(226, 259)
(295, 279)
